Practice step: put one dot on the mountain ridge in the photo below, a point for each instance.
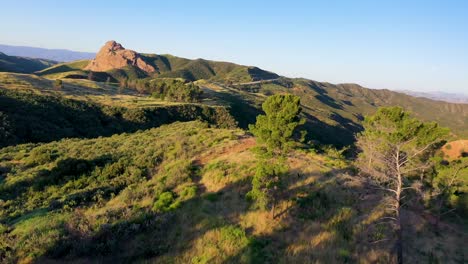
(23, 64)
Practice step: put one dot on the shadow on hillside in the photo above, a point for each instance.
(329, 201)
(241, 109)
(148, 235)
(323, 97)
(32, 118)
(321, 222)
(331, 134)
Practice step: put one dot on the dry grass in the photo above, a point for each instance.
(454, 149)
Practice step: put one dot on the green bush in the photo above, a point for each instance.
(165, 202)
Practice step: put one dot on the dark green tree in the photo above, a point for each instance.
(266, 184)
(276, 129)
(394, 148)
(274, 132)
(450, 188)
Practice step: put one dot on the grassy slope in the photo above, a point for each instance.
(63, 70)
(176, 194)
(23, 65)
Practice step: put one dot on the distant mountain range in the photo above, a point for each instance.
(60, 55)
(23, 64)
(440, 96)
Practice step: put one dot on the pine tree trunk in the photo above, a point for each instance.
(399, 189)
(399, 242)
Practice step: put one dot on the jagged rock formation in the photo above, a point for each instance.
(114, 56)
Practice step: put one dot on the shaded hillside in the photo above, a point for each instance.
(27, 117)
(23, 65)
(61, 55)
(334, 112)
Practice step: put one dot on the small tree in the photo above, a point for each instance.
(58, 84)
(266, 183)
(395, 147)
(277, 127)
(275, 132)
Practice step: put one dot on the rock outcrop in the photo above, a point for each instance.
(114, 56)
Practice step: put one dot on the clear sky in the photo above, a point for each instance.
(415, 45)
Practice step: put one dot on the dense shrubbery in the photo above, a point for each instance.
(166, 89)
(69, 199)
(27, 117)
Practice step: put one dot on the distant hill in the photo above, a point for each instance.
(23, 65)
(334, 112)
(441, 96)
(117, 62)
(61, 55)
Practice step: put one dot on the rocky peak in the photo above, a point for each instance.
(114, 56)
(112, 45)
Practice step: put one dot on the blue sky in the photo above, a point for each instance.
(415, 45)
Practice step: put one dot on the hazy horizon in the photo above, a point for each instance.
(418, 46)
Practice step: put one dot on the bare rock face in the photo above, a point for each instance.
(113, 56)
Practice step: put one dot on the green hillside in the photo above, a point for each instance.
(66, 70)
(22, 64)
(167, 66)
(333, 112)
(176, 194)
(27, 117)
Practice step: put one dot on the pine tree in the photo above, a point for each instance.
(395, 147)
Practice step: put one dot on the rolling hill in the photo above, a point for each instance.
(116, 62)
(23, 65)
